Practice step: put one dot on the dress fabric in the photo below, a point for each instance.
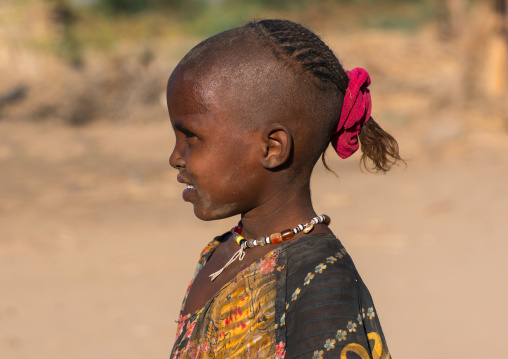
(304, 299)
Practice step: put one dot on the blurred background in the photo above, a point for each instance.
(96, 245)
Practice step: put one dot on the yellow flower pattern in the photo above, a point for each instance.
(318, 354)
(341, 335)
(309, 277)
(330, 344)
(351, 326)
(331, 260)
(295, 294)
(320, 268)
(371, 313)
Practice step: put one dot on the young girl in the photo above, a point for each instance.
(253, 109)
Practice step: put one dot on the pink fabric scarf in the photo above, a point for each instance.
(356, 111)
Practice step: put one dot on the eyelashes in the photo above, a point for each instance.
(190, 137)
(181, 130)
(185, 132)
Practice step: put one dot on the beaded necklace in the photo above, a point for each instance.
(274, 238)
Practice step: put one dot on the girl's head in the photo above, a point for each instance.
(253, 109)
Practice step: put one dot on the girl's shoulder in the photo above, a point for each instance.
(320, 259)
(317, 248)
(318, 241)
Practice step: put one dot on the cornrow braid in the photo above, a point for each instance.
(305, 50)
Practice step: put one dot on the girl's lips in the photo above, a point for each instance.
(188, 192)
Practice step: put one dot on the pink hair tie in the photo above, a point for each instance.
(355, 112)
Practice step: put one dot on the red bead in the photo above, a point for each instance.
(287, 234)
(276, 238)
(237, 229)
(327, 219)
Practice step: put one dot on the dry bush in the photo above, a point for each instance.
(125, 85)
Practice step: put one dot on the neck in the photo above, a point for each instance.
(284, 211)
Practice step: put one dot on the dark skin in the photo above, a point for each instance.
(235, 163)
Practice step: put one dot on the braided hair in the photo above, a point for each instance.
(304, 51)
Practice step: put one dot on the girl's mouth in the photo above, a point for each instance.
(188, 192)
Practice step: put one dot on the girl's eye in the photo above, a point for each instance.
(183, 132)
(189, 136)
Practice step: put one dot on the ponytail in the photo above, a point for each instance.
(380, 151)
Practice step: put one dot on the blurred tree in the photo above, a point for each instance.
(63, 15)
(123, 6)
(451, 17)
(501, 8)
(479, 30)
(135, 6)
(187, 6)
(498, 51)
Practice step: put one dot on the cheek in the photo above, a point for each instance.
(238, 172)
(218, 196)
(225, 175)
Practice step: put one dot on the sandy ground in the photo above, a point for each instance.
(97, 247)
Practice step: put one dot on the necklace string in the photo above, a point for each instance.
(274, 238)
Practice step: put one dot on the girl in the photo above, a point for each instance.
(253, 109)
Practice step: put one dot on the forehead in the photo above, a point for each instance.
(189, 85)
(198, 99)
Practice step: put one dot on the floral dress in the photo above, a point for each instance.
(304, 299)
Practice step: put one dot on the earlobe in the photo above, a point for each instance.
(278, 144)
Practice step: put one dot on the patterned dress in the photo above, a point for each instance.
(304, 299)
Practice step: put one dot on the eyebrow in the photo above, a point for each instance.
(179, 127)
(195, 118)
(196, 124)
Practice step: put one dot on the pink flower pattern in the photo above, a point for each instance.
(280, 351)
(268, 265)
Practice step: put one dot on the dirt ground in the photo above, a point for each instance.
(97, 247)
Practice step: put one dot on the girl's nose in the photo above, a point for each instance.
(176, 159)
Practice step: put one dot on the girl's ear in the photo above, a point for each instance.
(278, 146)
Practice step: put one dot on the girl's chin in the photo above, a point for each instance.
(209, 214)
